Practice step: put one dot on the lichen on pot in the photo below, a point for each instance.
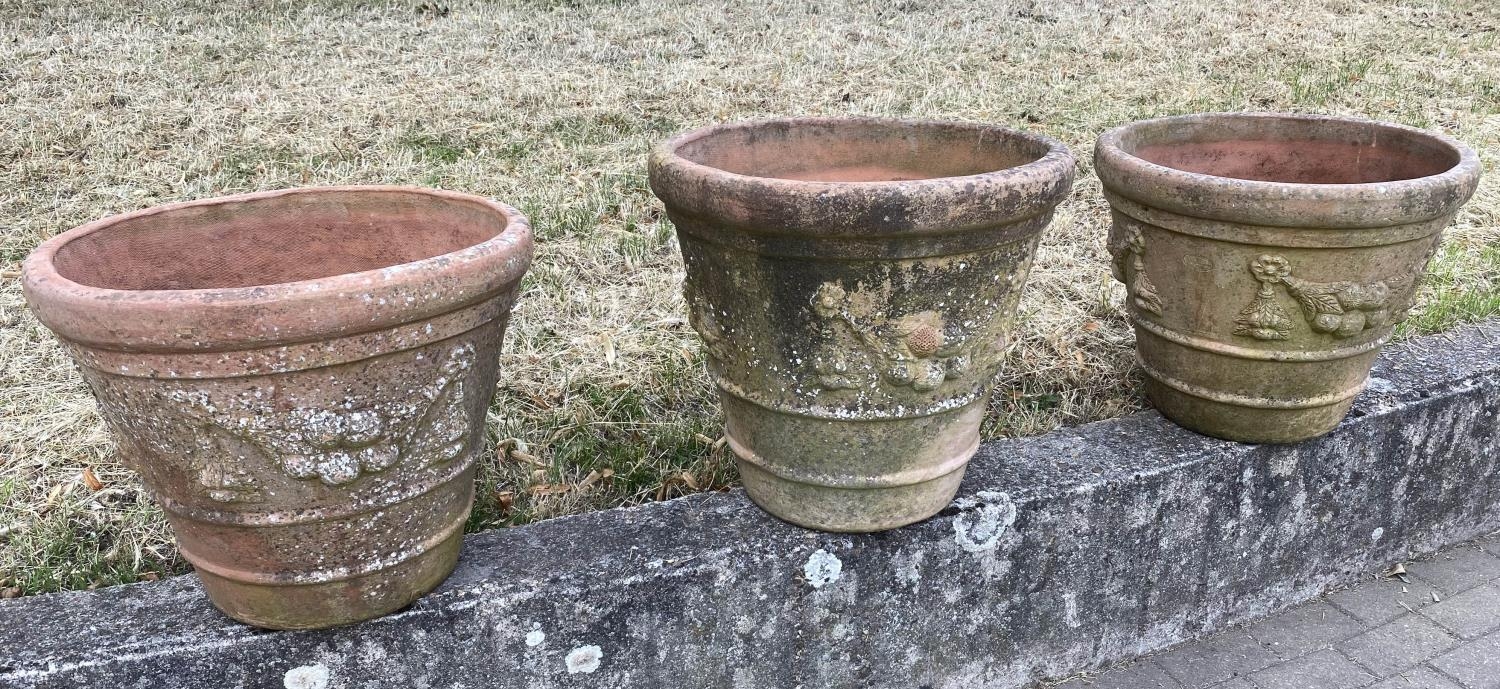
(300, 378)
(1267, 258)
(853, 281)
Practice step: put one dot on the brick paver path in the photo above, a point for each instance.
(1436, 627)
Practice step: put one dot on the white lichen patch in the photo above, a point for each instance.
(313, 676)
(1377, 534)
(584, 659)
(1282, 467)
(822, 568)
(372, 653)
(983, 521)
(535, 638)
(1142, 511)
(909, 568)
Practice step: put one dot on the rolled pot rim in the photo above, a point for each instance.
(235, 318)
(1286, 204)
(931, 205)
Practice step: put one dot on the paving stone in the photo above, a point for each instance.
(1140, 675)
(1475, 664)
(1371, 647)
(1381, 600)
(1421, 677)
(1398, 644)
(1324, 669)
(1458, 569)
(1305, 629)
(1470, 614)
(1217, 659)
(1490, 543)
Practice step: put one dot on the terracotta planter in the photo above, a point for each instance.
(853, 281)
(300, 377)
(1268, 257)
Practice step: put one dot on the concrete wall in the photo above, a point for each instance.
(1063, 552)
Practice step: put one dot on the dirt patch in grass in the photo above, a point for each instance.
(552, 106)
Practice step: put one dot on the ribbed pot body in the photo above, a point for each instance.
(300, 379)
(1268, 257)
(854, 282)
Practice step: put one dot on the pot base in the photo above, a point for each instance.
(334, 603)
(1241, 423)
(847, 510)
(851, 476)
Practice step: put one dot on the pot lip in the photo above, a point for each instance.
(276, 313)
(962, 198)
(1111, 156)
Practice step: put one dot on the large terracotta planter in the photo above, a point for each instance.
(853, 281)
(300, 377)
(1268, 257)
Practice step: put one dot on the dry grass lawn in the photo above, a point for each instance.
(552, 105)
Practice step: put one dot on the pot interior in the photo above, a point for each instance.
(1292, 150)
(860, 150)
(270, 240)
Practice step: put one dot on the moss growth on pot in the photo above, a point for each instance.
(1269, 257)
(854, 281)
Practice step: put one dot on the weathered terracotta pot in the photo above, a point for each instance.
(853, 281)
(1268, 257)
(300, 377)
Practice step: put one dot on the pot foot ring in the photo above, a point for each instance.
(334, 603)
(1241, 423)
(849, 510)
